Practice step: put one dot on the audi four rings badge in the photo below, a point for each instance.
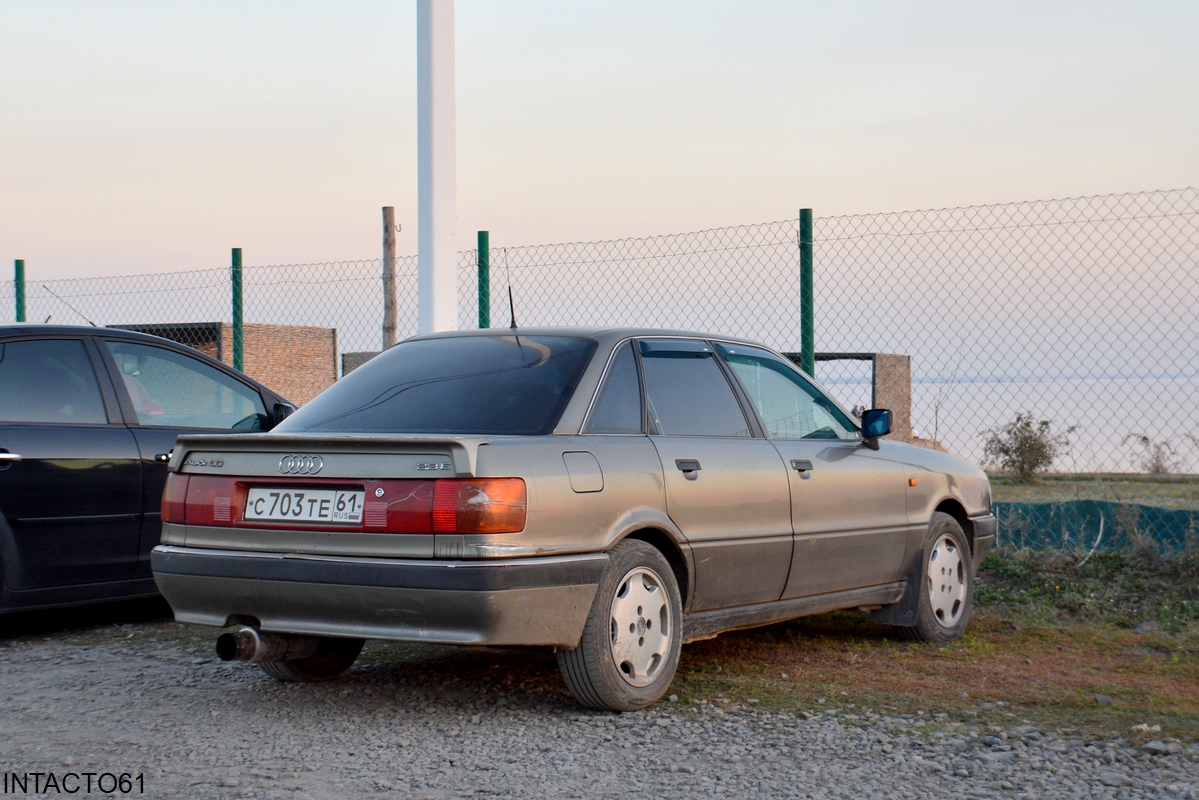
(300, 465)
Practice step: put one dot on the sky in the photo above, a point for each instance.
(142, 137)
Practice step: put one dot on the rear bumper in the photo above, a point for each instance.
(529, 601)
(986, 527)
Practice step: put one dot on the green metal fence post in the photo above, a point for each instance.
(807, 303)
(484, 279)
(19, 286)
(238, 329)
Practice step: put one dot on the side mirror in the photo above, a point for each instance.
(875, 423)
(280, 412)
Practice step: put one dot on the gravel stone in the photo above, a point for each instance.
(1114, 779)
(198, 728)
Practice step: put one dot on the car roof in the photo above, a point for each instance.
(23, 328)
(602, 335)
(590, 332)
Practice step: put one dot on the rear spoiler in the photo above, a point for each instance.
(463, 450)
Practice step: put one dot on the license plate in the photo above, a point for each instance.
(336, 506)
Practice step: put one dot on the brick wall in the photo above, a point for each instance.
(297, 361)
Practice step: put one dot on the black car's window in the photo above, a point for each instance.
(790, 406)
(688, 394)
(49, 381)
(618, 407)
(510, 384)
(173, 390)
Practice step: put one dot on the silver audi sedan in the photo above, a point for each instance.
(610, 493)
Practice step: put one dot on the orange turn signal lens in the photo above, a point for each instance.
(482, 505)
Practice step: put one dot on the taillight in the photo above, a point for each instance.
(446, 505)
(399, 506)
(210, 500)
(174, 498)
(481, 505)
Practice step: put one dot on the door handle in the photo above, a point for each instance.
(9, 458)
(801, 465)
(687, 464)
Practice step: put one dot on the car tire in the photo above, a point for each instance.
(947, 590)
(332, 658)
(629, 651)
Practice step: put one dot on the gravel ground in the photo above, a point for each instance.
(145, 699)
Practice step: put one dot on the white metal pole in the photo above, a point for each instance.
(437, 284)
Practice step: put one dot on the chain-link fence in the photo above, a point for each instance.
(1080, 312)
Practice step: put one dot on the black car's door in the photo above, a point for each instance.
(70, 507)
(164, 393)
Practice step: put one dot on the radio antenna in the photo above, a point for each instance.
(511, 304)
(68, 305)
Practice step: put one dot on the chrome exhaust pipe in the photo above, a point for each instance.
(250, 645)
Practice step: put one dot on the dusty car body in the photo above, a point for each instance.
(611, 493)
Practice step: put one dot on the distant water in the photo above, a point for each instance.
(1105, 412)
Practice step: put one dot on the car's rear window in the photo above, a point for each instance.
(511, 384)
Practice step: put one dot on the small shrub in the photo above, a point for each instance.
(1128, 524)
(1160, 458)
(1025, 447)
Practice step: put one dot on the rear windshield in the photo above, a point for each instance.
(458, 385)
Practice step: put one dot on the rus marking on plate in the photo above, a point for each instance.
(436, 465)
(301, 465)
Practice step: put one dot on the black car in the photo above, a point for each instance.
(88, 417)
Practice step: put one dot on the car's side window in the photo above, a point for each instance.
(687, 391)
(49, 381)
(170, 389)
(618, 406)
(790, 406)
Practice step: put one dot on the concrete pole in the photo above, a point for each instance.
(389, 276)
(437, 280)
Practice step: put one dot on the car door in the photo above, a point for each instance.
(70, 483)
(848, 502)
(163, 393)
(725, 489)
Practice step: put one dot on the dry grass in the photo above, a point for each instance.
(1163, 491)
(1048, 674)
